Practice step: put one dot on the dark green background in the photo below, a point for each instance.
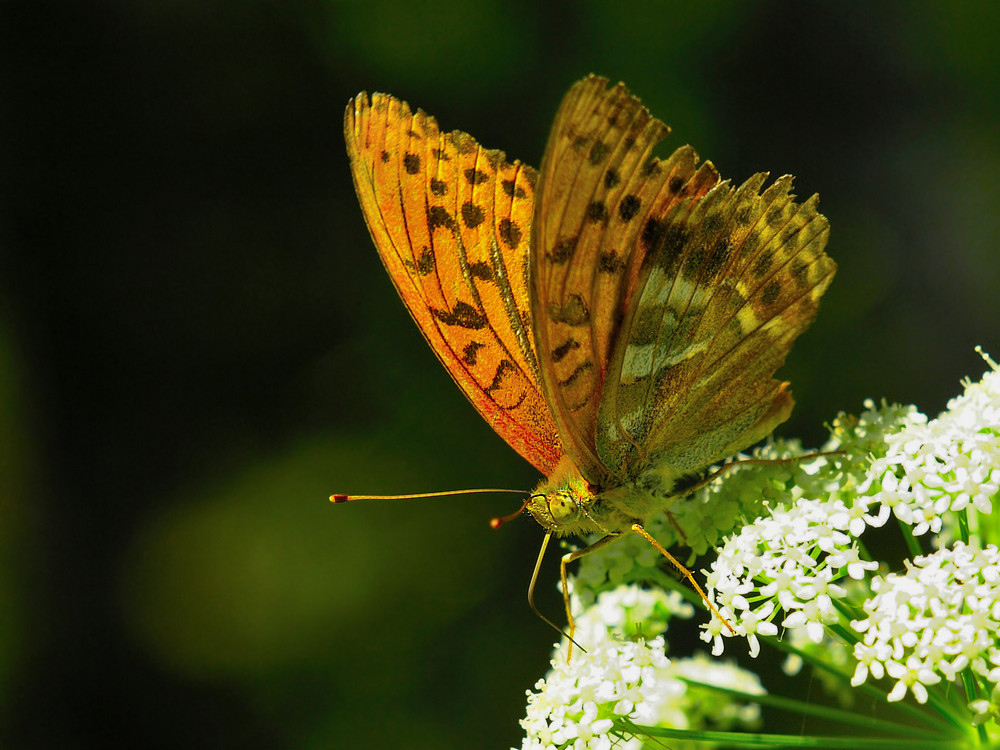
(198, 343)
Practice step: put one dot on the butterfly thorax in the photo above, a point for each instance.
(566, 503)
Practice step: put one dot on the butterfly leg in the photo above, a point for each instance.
(690, 489)
(564, 579)
(759, 462)
(685, 573)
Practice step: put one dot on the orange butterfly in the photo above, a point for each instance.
(615, 317)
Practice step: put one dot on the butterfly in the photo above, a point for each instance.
(617, 318)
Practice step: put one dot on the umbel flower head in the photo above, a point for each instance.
(625, 678)
(792, 571)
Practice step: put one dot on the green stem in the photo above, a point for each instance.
(911, 541)
(748, 739)
(865, 688)
(971, 686)
(863, 552)
(793, 705)
(963, 527)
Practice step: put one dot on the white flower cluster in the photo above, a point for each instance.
(932, 468)
(796, 562)
(793, 559)
(623, 675)
(938, 619)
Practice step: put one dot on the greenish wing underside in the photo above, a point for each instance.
(735, 278)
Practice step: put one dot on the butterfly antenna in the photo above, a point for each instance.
(496, 523)
(336, 498)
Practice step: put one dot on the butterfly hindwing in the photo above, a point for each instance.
(598, 191)
(736, 277)
(452, 222)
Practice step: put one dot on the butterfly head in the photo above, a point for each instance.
(564, 502)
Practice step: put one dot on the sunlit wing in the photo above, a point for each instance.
(452, 224)
(598, 189)
(735, 278)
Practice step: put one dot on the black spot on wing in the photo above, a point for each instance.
(439, 187)
(671, 249)
(464, 143)
(563, 251)
(503, 368)
(462, 315)
(716, 258)
(476, 176)
(411, 163)
(493, 158)
(472, 215)
(609, 262)
(650, 168)
(560, 352)
(711, 223)
(694, 263)
(469, 353)
(652, 233)
(770, 293)
(438, 216)
(422, 265)
(597, 212)
(629, 207)
(512, 190)
(599, 152)
(509, 232)
(482, 271)
(763, 263)
(800, 271)
(584, 367)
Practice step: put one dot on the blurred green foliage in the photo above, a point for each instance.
(198, 344)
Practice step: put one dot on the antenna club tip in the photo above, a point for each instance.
(338, 498)
(496, 523)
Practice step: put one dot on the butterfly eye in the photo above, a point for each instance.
(562, 506)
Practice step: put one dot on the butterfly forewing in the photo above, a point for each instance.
(599, 189)
(735, 278)
(452, 222)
